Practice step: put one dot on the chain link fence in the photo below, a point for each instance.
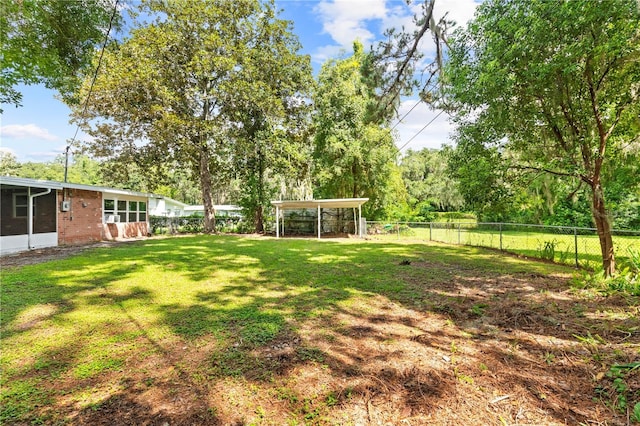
(575, 246)
(194, 224)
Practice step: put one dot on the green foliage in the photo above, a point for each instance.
(616, 392)
(82, 169)
(209, 86)
(626, 282)
(50, 42)
(548, 250)
(545, 88)
(354, 151)
(428, 183)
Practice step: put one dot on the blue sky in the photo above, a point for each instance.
(39, 129)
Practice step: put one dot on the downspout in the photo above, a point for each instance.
(30, 213)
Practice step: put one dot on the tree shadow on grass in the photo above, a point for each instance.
(370, 336)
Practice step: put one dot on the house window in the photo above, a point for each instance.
(124, 211)
(142, 211)
(20, 204)
(109, 210)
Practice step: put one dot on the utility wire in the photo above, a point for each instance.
(421, 130)
(440, 113)
(93, 80)
(418, 102)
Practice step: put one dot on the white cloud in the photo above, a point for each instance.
(345, 20)
(460, 11)
(26, 131)
(434, 135)
(349, 20)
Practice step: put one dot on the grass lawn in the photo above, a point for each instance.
(533, 242)
(253, 330)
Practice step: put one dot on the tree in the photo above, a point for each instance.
(271, 115)
(427, 180)
(8, 164)
(170, 92)
(82, 169)
(354, 151)
(50, 42)
(558, 85)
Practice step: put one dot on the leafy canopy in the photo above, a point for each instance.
(50, 42)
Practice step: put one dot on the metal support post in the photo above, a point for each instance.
(575, 244)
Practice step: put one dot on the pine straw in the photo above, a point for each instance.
(449, 360)
(381, 363)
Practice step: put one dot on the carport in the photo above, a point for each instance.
(339, 203)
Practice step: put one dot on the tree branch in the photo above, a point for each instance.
(543, 170)
(389, 94)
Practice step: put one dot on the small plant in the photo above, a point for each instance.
(618, 394)
(549, 357)
(634, 260)
(565, 256)
(635, 414)
(624, 282)
(478, 309)
(548, 250)
(463, 378)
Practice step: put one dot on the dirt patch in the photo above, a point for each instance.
(475, 347)
(48, 254)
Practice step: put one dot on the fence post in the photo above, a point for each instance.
(458, 233)
(575, 244)
(430, 228)
(500, 236)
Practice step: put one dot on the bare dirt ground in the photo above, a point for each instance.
(536, 354)
(32, 257)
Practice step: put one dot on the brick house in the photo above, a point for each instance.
(36, 214)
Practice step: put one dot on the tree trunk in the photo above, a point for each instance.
(260, 191)
(207, 198)
(603, 226)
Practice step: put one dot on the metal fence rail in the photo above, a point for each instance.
(192, 224)
(569, 245)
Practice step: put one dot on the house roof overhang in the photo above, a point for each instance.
(338, 203)
(31, 183)
(35, 183)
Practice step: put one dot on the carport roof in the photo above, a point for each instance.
(338, 203)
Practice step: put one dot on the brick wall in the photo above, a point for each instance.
(82, 224)
(117, 231)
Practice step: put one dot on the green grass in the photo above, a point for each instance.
(530, 242)
(77, 331)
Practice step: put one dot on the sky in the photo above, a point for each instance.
(39, 130)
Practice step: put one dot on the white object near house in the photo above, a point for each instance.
(159, 205)
(38, 213)
(338, 203)
(220, 209)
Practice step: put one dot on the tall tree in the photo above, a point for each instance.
(170, 92)
(271, 114)
(354, 150)
(558, 84)
(50, 42)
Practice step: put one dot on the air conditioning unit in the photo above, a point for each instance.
(112, 218)
(65, 206)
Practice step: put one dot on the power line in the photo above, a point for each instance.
(93, 80)
(405, 115)
(421, 130)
